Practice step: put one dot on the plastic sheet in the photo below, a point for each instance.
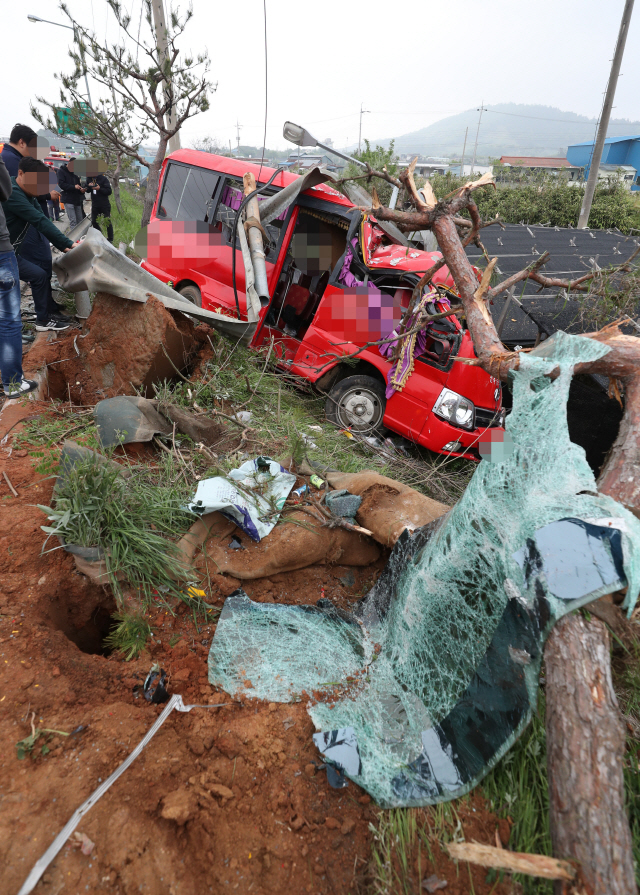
(251, 496)
(437, 670)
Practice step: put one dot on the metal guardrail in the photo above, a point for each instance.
(97, 266)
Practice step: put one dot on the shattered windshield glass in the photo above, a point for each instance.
(435, 674)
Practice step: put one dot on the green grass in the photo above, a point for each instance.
(404, 840)
(626, 678)
(127, 223)
(517, 788)
(48, 430)
(235, 373)
(129, 635)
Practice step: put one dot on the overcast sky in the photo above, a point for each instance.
(410, 64)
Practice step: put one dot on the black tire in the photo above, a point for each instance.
(192, 293)
(357, 403)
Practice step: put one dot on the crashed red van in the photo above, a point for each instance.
(337, 281)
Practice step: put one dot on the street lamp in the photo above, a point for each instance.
(35, 19)
(301, 137)
(358, 195)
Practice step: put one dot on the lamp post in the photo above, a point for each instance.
(362, 112)
(301, 137)
(35, 19)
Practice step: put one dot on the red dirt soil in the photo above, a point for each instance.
(249, 811)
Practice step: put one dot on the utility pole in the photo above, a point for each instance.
(238, 129)
(362, 112)
(475, 147)
(596, 157)
(160, 28)
(464, 149)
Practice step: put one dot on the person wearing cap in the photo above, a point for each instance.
(72, 192)
(13, 382)
(22, 211)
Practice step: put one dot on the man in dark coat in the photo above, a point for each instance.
(72, 192)
(100, 205)
(13, 382)
(34, 248)
(23, 141)
(22, 212)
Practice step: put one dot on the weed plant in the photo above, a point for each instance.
(132, 521)
(129, 634)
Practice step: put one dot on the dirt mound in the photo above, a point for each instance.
(132, 360)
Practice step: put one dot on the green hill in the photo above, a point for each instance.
(507, 129)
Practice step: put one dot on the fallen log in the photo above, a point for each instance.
(517, 862)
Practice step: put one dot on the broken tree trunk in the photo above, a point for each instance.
(586, 743)
(585, 739)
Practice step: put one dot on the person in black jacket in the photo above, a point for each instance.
(72, 192)
(100, 205)
(13, 382)
(22, 213)
(23, 141)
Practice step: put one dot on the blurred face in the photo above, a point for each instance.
(70, 166)
(89, 167)
(34, 183)
(37, 148)
(312, 252)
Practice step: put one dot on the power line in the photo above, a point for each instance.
(589, 121)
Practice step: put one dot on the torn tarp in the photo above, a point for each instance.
(252, 496)
(437, 671)
(125, 419)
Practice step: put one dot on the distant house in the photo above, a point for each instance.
(618, 152)
(253, 160)
(466, 170)
(427, 167)
(302, 162)
(547, 164)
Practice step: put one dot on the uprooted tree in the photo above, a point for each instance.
(585, 735)
(148, 92)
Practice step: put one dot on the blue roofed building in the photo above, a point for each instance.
(618, 152)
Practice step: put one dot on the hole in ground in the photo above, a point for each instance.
(90, 638)
(87, 623)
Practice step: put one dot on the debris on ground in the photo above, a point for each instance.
(252, 495)
(436, 671)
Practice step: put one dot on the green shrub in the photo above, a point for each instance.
(549, 201)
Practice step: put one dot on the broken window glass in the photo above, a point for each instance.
(436, 670)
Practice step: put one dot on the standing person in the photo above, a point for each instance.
(54, 209)
(13, 382)
(72, 192)
(100, 205)
(23, 141)
(22, 211)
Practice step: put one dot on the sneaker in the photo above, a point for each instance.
(52, 324)
(16, 390)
